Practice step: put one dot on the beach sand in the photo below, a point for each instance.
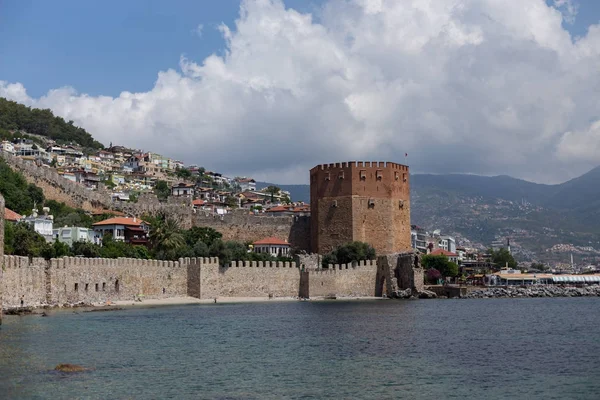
(220, 300)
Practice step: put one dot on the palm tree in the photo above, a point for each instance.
(166, 236)
(273, 190)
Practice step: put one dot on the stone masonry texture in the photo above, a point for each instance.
(360, 201)
(72, 280)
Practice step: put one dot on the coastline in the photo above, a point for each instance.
(474, 293)
(40, 309)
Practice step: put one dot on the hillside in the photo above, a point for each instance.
(17, 117)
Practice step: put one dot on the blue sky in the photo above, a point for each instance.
(448, 82)
(105, 47)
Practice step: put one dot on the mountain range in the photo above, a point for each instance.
(481, 210)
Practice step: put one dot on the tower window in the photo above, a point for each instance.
(327, 176)
(379, 174)
(363, 175)
(334, 204)
(341, 175)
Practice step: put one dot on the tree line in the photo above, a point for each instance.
(17, 117)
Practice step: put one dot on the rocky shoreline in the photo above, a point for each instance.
(534, 291)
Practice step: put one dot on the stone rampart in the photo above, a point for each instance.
(58, 188)
(71, 280)
(23, 277)
(88, 280)
(343, 280)
(259, 279)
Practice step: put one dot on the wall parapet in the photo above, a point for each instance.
(263, 264)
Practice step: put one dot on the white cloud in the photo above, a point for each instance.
(478, 86)
(198, 30)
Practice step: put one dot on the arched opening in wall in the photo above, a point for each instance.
(103, 286)
(117, 286)
(76, 287)
(96, 287)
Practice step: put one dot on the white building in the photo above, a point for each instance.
(273, 246)
(246, 184)
(42, 224)
(447, 243)
(182, 190)
(8, 147)
(71, 234)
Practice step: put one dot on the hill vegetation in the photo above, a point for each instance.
(17, 117)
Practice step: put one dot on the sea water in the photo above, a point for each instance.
(424, 349)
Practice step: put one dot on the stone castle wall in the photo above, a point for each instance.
(76, 279)
(241, 226)
(345, 280)
(58, 188)
(72, 280)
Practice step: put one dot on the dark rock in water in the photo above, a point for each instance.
(43, 314)
(104, 309)
(427, 294)
(70, 368)
(18, 311)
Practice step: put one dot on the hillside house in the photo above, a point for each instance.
(182, 190)
(273, 246)
(125, 229)
(453, 257)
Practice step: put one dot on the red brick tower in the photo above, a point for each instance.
(364, 201)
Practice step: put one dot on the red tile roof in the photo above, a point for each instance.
(10, 215)
(442, 252)
(120, 221)
(278, 209)
(198, 202)
(271, 240)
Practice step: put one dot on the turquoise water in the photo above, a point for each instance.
(429, 349)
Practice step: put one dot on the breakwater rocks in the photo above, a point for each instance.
(535, 291)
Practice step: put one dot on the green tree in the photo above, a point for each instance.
(86, 249)
(438, 262)
(15, 116)
(204, 234)
(166, 238)
(441, 263)
(272, 190)
(501, 258)
(200, 249)
(350, 252)
(183, 173)
(451, 269)
(18, 194)
(162, 190)
(21, 240)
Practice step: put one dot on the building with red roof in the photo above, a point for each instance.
(441, 252)
(125, 229)
(10, 215)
